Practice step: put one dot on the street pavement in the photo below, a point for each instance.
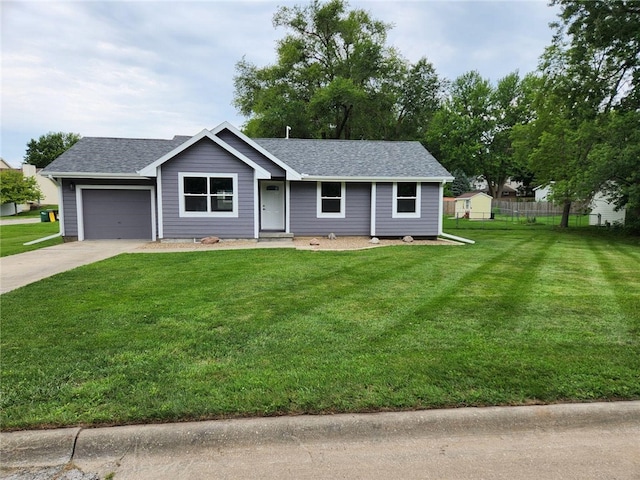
(564, 441)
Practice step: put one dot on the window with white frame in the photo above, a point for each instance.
(406, 200)
(331, 199)
(208, 195)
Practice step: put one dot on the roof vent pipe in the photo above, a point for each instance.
(288, 130)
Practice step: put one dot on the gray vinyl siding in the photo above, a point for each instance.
(304, 219)
(235, 142)
(69, 210)
(208, 158)
(69, 207)
(426, 226)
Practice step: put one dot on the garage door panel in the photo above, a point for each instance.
(116, 214)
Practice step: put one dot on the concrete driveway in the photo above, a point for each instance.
(25, 268)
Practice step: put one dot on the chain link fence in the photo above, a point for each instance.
(506, 214)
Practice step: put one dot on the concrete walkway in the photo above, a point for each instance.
(573, 441)
(18, 221)
(25, 268)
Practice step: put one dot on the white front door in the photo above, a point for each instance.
(272, 205)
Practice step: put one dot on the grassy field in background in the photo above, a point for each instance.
(523, 316)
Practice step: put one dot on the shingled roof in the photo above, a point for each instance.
(118, 156)
(314, 158)
(355, 158)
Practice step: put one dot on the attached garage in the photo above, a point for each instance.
(109, 213)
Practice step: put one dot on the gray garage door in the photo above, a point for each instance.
(114, 214)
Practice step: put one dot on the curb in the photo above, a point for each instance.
(55, 447)
(37, 448)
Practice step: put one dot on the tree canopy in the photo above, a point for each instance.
(472, 131)
(583, 135)
(16, 188)
(48, 147)
(336, 78)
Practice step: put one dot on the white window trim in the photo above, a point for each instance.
(185, 213)
(416, 214)
(343, 202)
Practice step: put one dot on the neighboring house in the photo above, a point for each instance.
(4, 165)
(220, 182)
(542, 192)
(603, 212)
(48, 188)
(474, 205)
(511, 188)
(508, 193)
(8, 209)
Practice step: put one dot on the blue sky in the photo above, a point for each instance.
(155, 69)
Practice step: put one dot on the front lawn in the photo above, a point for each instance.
(523, 316)
(13, 237)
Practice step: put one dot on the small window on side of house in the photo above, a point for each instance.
(406, 200)
(331, 199)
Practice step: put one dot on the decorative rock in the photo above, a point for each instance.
(374, 240)
(209, 240)
(332, 236)
(314, 241)
(407, 239)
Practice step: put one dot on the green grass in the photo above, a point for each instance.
(523, 316)
(511, 222)
(12, 237)
(34, 212)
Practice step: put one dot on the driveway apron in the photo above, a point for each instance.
(19, 270)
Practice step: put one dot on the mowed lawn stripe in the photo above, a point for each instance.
(178, 336)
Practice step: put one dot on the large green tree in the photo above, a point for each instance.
(16, 188)
(583, 137)
(48, 147)
(335, 77)
(602, 45)
(471, 132)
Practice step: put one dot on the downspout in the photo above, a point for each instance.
(456, 238)
(60, 217)
(448, 235)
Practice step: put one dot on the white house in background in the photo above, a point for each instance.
(603, 212)
(542, 192)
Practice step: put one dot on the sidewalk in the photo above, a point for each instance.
(569, 441)
(18, 221)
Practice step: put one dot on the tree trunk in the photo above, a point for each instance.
(566, 209)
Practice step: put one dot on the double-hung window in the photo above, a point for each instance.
(208, 195)
(331, 199)
(406, 200)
